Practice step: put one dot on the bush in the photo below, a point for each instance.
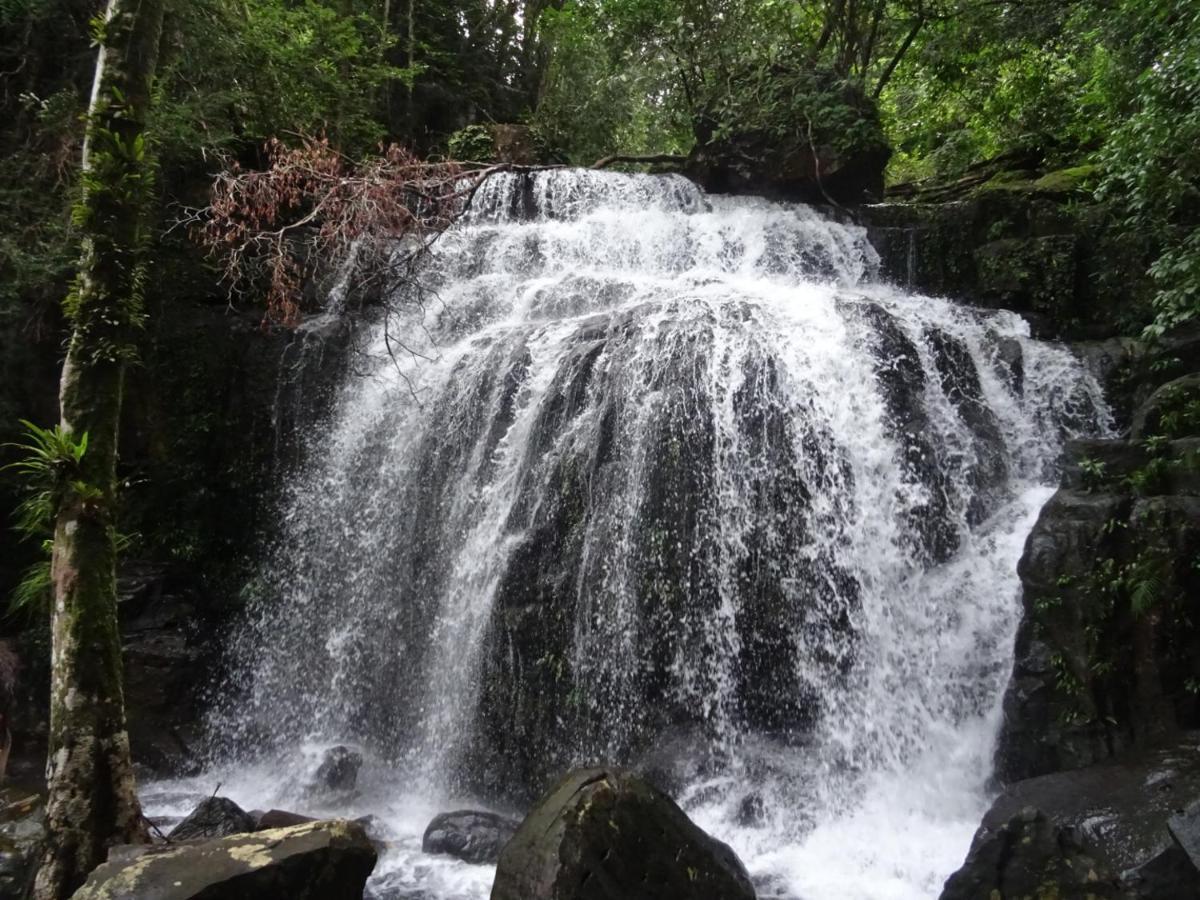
(472, 144)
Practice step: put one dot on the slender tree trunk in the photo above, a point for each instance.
(410, 53)
(92, 804)
(890, 69)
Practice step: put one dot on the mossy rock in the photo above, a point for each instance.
(1030, 274)
(326, 860)
(1058, 183)
(605, 834)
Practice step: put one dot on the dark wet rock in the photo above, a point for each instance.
(1126, 817)
(327, 860)
(901, 378)
(1009, 361)
(1095, 675)
(1033, 274)
(751, 811)
(1059, 262)
(1045, 728)
(1154, 415)
(22, 828)
(215, 817)
(1104, 358)
(1097, 464)
(1029, 856)
(751, 163)
(1185, 829)
(338, 771)
(813, 163)
(604, 834)
(471, 835)
(960, 383)
(279, 818)
(164, 647)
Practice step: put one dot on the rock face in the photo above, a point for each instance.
(169, 649)
(604, 834)
(338, 772)
(1113, 830)
(215, 817)
(1020, 241)
(1028, 856)
(470, 835)
(514, 144)
(1107, 647)
(327, 860)
(1104, 793)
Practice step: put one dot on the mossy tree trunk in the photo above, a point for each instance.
(92, 803)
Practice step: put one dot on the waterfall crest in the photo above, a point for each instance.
(662, 478)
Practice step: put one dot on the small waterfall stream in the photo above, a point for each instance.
(670, 480)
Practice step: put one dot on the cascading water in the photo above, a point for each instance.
(663, 479)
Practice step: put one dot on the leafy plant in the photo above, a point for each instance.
(48, 468)
(472, 144)
(1092, 472)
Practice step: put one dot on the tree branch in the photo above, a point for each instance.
(651, 158)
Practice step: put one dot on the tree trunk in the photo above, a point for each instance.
(92, 804)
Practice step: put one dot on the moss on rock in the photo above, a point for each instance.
(324, 860)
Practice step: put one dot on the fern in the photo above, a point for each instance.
(1144, 590)
(49, 458)
(32, 593)
(48, 467)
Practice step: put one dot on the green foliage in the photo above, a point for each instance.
(32, 593)
(600, 93)
(48, 468)
(238, 73)
(1117, 84)
(1153, 154)
(641, 76)
(472, 144)
(987, 82)
(1093, 473)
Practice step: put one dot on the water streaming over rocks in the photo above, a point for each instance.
(665, 479)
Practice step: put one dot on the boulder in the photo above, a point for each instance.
(470, 835)
(22, 827)
(1124, 829)
(1029, 856)
(1096, 675)
(514, 144)
(1185, 829)
(279, 818)
(338, 772)
(215, 817)
(824, 145)
(1047, 727)
(605, 834)
(1163, 410)
(327, 860)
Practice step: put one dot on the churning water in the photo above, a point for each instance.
(669, 480)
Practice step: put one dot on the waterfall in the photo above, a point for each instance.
(642, 475)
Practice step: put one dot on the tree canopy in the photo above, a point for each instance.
(1109, 84)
